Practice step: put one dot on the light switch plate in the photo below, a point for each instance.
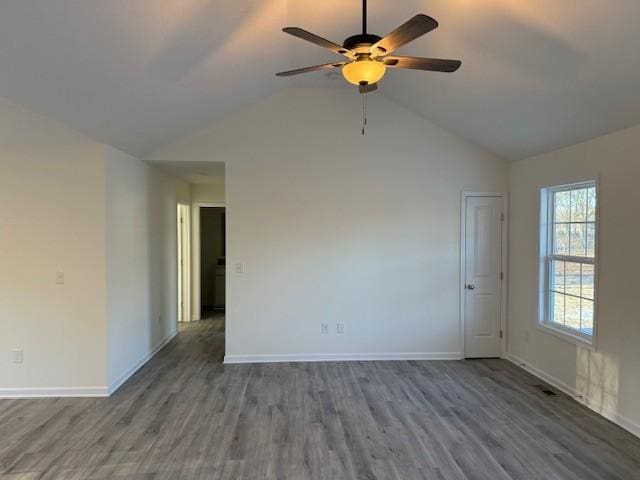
(239, 267)
(17, 356)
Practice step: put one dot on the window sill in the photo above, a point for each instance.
(568, 336)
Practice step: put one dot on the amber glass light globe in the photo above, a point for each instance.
(364, 71)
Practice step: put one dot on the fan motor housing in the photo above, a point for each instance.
(360, 40)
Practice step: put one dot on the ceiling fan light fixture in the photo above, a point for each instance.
(364, 71)
(369, 55)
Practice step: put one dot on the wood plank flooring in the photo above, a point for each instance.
(186, 416)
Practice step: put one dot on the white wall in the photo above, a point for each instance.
(201, 193)
(105, 219)
(183, 191)
(339, 228)
(141, 261)
(608, 378)
(52, 200)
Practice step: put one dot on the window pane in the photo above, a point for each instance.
(557, 276)
(562, 202)
(561, 239)
(572, 278)
(571, 233)
(572, 312)
(577, 240)
(557, 308)
(579, 205)
(587, 281)
(591, 204)
(591, 240)
(587, 317)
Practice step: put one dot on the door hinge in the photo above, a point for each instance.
(501, 275)
(500, 333)
(502, 217)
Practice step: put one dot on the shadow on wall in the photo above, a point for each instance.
(523, 28)
(598, 380)
(516, 36)
(195, 40)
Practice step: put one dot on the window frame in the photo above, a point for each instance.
(546, 257)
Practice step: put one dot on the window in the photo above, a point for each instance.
(568, 260)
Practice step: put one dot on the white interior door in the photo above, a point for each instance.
(483, 276)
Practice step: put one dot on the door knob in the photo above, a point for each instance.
(471, 286)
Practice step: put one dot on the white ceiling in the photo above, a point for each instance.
(138, 74)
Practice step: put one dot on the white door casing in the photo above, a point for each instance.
(482, 269)
(184, 264)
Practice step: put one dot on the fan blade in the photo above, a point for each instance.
(414, 28)
(418, 63)
(368, 88)
(325, 66)
(322, 42)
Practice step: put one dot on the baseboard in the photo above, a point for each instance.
(127, 374)
(621, 420)
(83, 391)
(341, 357)
(541, 374)
(54, 392)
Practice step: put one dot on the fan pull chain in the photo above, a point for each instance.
(364, 112)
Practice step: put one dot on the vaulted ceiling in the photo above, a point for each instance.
(138, 74)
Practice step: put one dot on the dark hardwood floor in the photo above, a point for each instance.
(186, 416)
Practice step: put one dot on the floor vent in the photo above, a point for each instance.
(546, 390)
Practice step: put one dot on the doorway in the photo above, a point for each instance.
(210, 261)
(184, 263)
(483, 257)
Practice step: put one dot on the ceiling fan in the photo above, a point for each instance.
(369, 55)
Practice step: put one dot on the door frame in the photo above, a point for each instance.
(184, 270)
(195, 256)
(505, 270)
